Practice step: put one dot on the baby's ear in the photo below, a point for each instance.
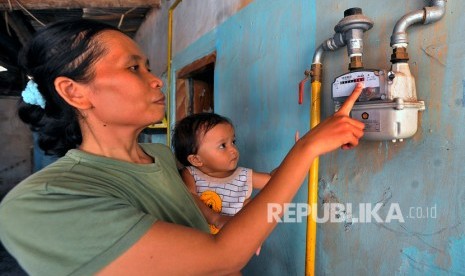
(194, 159)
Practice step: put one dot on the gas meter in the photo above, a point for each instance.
(388, 105)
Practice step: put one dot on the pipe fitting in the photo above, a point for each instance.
(334, 43)
(331, 44)
(426, 15)
(349, 31)
(353, 19)
(399, 34)
(435, 12)
(353, 26)
(316, 72)
(399, 54)
(355, 62)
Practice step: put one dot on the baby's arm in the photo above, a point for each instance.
(211, 216)
(260, 179)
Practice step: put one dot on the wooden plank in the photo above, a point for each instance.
(199, 64)
(76, 4)
(18, 23)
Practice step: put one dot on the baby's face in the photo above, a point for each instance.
(218, 151)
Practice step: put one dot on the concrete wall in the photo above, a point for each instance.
(16, 146)
(262, 52)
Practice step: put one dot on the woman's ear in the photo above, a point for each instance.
(195, 160)
(72, 92)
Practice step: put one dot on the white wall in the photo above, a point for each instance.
(191, 20)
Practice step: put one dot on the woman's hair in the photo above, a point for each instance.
(188, 131)
(66, 48)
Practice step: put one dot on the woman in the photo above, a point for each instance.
(111, 206)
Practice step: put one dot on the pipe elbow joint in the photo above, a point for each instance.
(331, 44)
(425, 16)
(435, 13)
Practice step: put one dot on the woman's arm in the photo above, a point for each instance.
(168, 249)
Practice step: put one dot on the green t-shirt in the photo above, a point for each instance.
(80, 213)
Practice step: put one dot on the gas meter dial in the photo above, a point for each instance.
(374, 81)
(386, 105)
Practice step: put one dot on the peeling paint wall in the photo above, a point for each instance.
(262, 52)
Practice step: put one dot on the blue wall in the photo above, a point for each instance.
(262, 52)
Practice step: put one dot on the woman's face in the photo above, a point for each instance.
(123, 92)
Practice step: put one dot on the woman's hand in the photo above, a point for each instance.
(339, 130)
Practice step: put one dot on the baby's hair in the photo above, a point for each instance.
(188, 130)
(67, 48)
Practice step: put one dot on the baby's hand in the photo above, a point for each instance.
(222, 220)
(296, 136)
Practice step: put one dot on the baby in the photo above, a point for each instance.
(205, 144)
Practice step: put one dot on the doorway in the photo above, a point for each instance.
(194, 87)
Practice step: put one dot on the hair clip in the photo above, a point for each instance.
(31, 94)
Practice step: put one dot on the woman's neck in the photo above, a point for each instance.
(133, 154)
(120, 145)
